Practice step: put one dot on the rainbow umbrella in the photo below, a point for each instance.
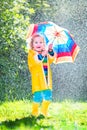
(64, 46)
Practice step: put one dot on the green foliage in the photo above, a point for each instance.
(15, 17)
(14, 110)
(65, 116)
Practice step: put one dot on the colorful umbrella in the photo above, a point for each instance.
(64, 46)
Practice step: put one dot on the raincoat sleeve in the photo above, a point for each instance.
(51, 56)
(51, 52)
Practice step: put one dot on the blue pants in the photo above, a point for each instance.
(39, 96)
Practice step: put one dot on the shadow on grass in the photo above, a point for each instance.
(26, 122)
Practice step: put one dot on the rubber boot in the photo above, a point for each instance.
(44, 108)
(35, 109)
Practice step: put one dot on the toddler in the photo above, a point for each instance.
(39, 60)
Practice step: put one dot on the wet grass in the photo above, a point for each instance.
(63, 116)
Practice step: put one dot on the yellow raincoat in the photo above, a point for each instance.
(37, 73)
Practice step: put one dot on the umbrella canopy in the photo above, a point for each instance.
(64, 46)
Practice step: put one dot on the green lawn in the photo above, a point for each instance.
(66, 115)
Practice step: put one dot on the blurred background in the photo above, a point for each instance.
(69, 79)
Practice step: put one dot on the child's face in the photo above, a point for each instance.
(38, 44)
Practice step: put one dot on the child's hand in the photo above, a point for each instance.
(50, 47)
(44, 53)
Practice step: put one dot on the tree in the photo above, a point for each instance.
(16, 15)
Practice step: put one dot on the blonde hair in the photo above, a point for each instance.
(33, 37)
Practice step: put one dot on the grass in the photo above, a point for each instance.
(63, 116)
